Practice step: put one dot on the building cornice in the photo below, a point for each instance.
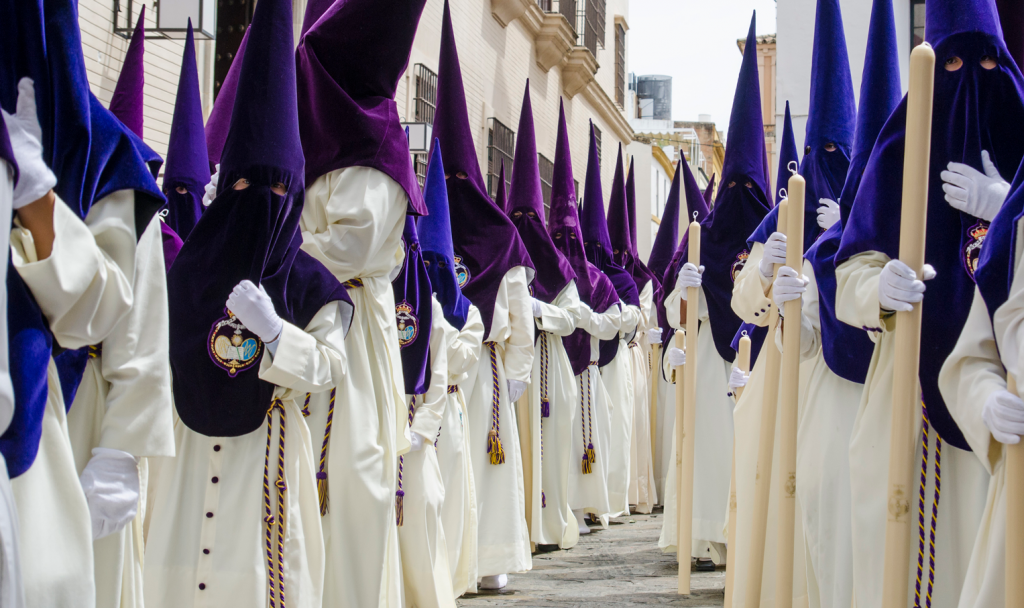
(608, 110)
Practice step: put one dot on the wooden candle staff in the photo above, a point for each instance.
(765, 447)
(906, 394)
(789, 388)
(1014, 523)
(743, 363)
(655, 380)
(684, 503)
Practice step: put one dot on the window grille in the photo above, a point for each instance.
(620, 65)
(597, 137)
(547, 177)
(590, 18)
(501, 146)
(545, 5)
(425, 100)
(419, 164)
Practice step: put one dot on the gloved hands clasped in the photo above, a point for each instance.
(516, 388)
(654, 335)
(1003, 414)
(211, 188)
(899, 288)
(789, 285)
(973, 192)
(828, 213)
(676, 356)
(689, 276)
(255, 310)
(111, 485)
(774, 253)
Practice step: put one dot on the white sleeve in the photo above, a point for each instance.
(857, 293)
(135, 363)
(514, 296)
(602, 325)
(560, 317)
(465, 345)
(310, 360)
(84, 287)
(970, 374)
(750, 299)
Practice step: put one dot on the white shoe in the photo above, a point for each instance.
(493, 583)
(581, 521)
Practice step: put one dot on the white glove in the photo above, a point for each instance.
(111, 485)
(211, 188)
(898, 287)
(828, 213)
(417, 441)
(738, 379)
(774, 253)
(34, 178)
(516, 388)
(537, 310)
(689, 276)
(789, 286)
(676, 356)
(255, 310)
(654, 335)
(975, 193)
(1003, 414)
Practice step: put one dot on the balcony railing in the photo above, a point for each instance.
(590, 17)
(566, 8)
(425, 100)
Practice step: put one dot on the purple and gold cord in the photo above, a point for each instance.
(920, 513)
(321, 475)
(494, 436)
(275, 567)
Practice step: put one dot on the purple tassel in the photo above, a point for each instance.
(545, 409)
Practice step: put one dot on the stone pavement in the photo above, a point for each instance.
(620, 566)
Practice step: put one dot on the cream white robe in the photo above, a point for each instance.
(712, 446)
(207, 542)
(964, 482)
(124, 403)
(591, 417)
(12, 592)
(972, 372)
(750, 302)
(642, 493)
(827, 409)
(458, 512)
(618, 380)
(352, 222)
(503, 543)
(84, 289)
(421, 537)
(666, 424)
(553, 522)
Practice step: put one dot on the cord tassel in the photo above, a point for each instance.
(400, 494)
(493, 438)
(400, 507)
(322, 489)
(587, 468)
(494, 448)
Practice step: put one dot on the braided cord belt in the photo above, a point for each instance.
(305, 406)
(494, 436)
(934, 514)
(586, 424)
(275, 567)
(545, 407)
(322, 490)
(400, 494)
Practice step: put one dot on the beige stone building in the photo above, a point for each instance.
(577, 50)
(767, 72)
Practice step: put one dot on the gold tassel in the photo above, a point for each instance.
(494, 448)
(321, 491)
(590, 453)
(587, 470)
(400, 506)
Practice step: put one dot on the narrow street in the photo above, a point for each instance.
(620, 566)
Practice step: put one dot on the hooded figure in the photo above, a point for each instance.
(615, 360)
(245, 367)
(127, 101)
(978, 102)
(360, 187)
(502, 200)
(709, 191)
(494, 271)
(665, 244)
(600, 319)
(552, 395)
(220, 116)
(188, 165)
(641, 460)
(463, 333)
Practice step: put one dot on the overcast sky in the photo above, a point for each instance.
(694, 42)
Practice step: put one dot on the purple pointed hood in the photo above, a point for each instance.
(526, 208)
(188, 166)
(435, 232)
(220, 117)
(788, 155)
(620, 228)
(637, 263)
(846, 349)
(972, 106)
(350, 61)
(667, 238)
(595, 289)
(126, 103)
(709, 191)
(740, 206)
(215, 359)
(487, 245)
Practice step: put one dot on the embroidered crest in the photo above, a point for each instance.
(972, 250)
(232, 346)
(461, 272)
(739, 263)
(408, 324)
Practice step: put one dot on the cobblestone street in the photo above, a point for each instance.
(620, 566)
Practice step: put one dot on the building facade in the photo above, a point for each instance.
(576, 50)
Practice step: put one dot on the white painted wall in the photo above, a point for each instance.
(645, 227)
(795, 20)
